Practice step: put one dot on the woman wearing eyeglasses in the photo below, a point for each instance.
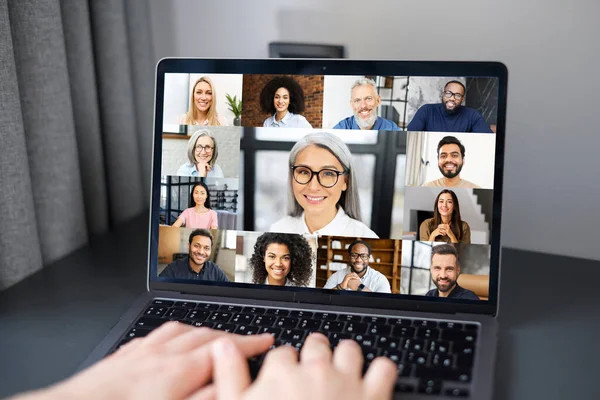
(282, 259)
(446, 224)
(199, 215)
(323, 191)
(202, 152)
(203, 105)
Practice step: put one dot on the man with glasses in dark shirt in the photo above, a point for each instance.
(445, 270)
(359, 276)
(449, 115)
(196, 266)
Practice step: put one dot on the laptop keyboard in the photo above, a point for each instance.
(433, 357)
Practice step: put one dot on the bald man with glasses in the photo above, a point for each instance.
(449, 115)
(359, 276)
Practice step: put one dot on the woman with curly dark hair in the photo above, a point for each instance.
(283, 98)
(282, 259)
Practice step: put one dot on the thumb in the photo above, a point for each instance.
(231, 375)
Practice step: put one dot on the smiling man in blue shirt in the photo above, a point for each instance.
(449, 115)
(364, 102)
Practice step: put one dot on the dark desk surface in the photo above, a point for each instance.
(549, 346)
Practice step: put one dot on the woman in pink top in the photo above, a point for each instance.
(199, 215)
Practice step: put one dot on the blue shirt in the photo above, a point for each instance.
(188, 169)
(434, 118)
(289, 120)
(381, 124)
(180, 269)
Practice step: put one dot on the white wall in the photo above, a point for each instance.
(336, 99)
(549, 46)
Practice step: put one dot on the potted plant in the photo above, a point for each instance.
(235, 106)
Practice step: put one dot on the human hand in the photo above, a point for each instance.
(320, 374)
(173, 362)
(354, 283)
(203, 168)
(442, 229)
(347, 278)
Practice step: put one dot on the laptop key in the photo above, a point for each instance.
(442, 360)
(253, 310)
(185, 304)
(138, 332)
(451, 326)
(471, 327)
(423, 323)
(400, 321)
(356, 327)
(394, 355)
(326, 316)
(224, 327)
(292, 334)
(365, 340)
(286, 322)
(450, 392)
(273, 331)
(465, 361)
(205, 324)
(403, 331)
(430, 386)
(350, 318)
(459, 336)
(332, 326)
(301, 314)
(310, 324)
(218, 316)
(244, 319)
(176, 313)
(159, 302)
(385, 342)
(198, 315)
(438, 346)
(379, 329)
(428, 333)
(277, 312)
(335, 337)
(375, 320)
(246, 330)
(149, 322)
(207, 306)
(417, 357)
(414, 345)
(264, 320)
(231, 309)
(155, 311)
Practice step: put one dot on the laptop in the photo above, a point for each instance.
(360, 199)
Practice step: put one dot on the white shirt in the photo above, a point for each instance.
(289, 120)
(221, 120)
(188, 169)
(374, 280)
(287, 282)
(341, 225)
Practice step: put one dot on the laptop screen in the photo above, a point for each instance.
(364, 183)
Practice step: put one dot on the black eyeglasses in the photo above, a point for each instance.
(326, 177)
(206, 148)
(363, 256)
(457, 96)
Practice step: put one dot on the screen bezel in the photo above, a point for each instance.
(331, 67)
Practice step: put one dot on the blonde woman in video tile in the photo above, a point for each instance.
(446, 224)
(322, 191)
(203, 105)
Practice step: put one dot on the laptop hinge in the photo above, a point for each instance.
(312, 298)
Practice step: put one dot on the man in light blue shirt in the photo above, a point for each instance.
(364, 102)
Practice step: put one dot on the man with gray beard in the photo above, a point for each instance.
(364, 101)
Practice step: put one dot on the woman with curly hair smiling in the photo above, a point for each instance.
(283, 98)
(282, 259)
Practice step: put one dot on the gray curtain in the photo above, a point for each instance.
(76, 112)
